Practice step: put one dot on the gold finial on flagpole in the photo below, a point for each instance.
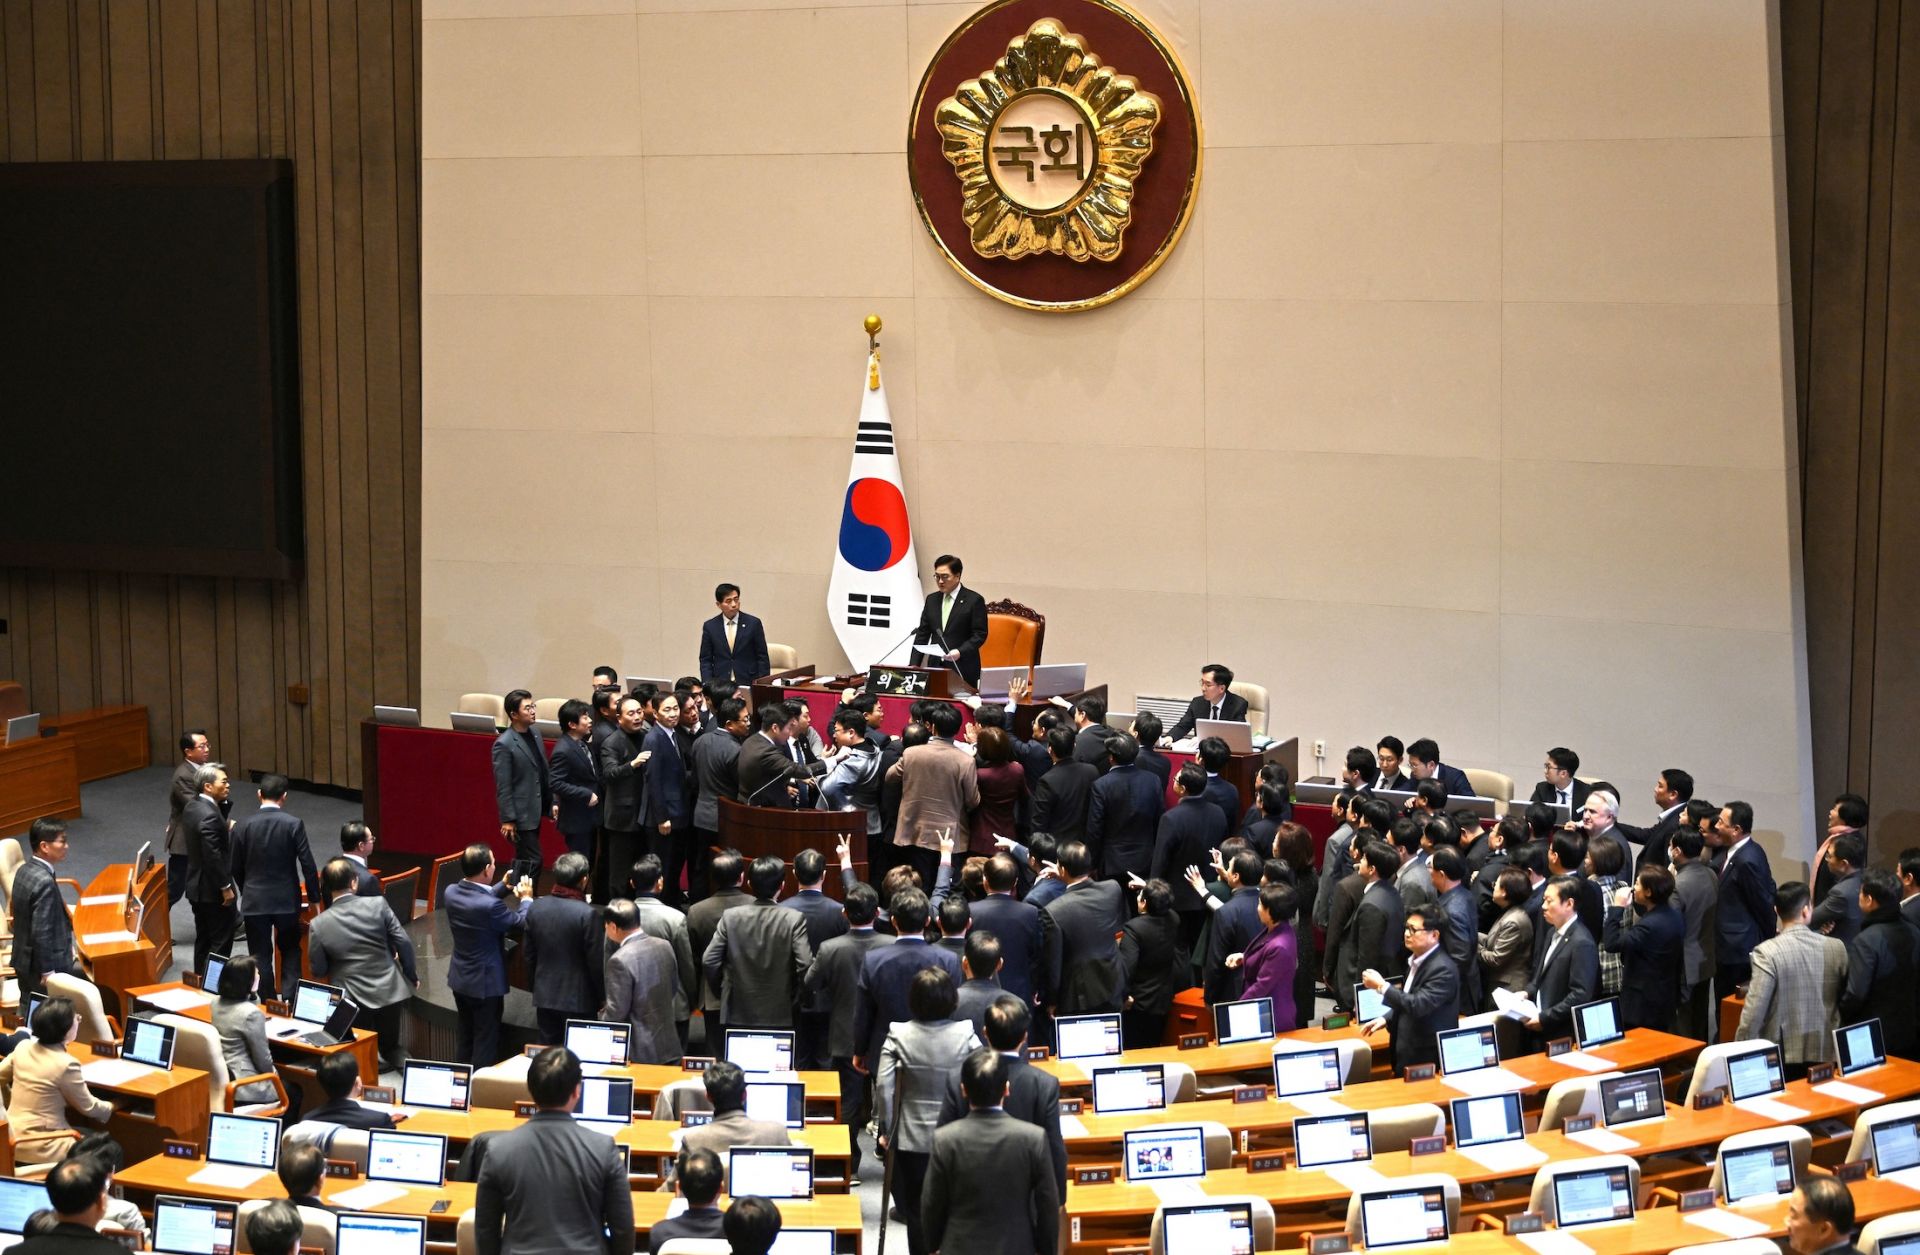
(872, 324)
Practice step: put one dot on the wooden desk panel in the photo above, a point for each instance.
(298, 1055)
(118, 966)
(38, 778)
(150, 1109)
(107, 740)
(822, 1089)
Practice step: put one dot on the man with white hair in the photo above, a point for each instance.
(1601, 819)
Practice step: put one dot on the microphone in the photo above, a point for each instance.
(911, 633)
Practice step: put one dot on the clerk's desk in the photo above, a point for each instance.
(1117, 1213)
(119, 965)
(161, 1175)
(287, 1051)
(149, 1109)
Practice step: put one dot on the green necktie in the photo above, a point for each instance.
(946, 608)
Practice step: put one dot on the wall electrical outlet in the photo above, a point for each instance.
(1319, 749)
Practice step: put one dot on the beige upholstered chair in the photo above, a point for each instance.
(197, 1045)
(492, 705)
(1493, 784)
(1575, 1096)
(1861, 1146)
(1394, 1128)
(1540, 1198)
(677, 1098)
(95, 1024)
(1256, 695)
(1262, 1223)
(466, 1239)
(782, 657)
(548, 708)
(317, 1227)
(1710, 1066)
(1415, 1181)
(339, 1141)
(1882, 1230)
(502, 1084)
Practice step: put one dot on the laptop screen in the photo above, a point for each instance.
(406, 1158)
(1635, 1096)
(1483, 1121)
(1086, 1036)
(1755, 1074)
(1896, 1145)
(1403, 1217)
(1597, 1023)
(339, 1025)
(777, 1102)
(1142, 1088)
(251, 1141)
(314, 1002)
(1468, 1050)
(1306, 1072)
(1322, 1140)
(598, 1041)
(149, 1043)
(1861, 1046)
(802, 1242)
(1164, 1154)
(425, 1083)
(1905, 1244)
(357, 1233)
(18, 1200)
(605, 1100)
(193, 1226)
(760, 1050)
(1250, 1019)
(770, 1171)
(1213, 1228)
(1756, 1172)
(1592, 1196)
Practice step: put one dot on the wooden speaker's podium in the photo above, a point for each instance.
(756, 830)
(928, 682)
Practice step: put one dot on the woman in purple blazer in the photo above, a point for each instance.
(1270, 959)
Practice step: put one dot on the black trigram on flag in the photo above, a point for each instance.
(869, 610)
(873, 437)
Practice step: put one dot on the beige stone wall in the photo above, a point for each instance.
(1461, 410)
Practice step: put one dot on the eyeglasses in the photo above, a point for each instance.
(1418, 928)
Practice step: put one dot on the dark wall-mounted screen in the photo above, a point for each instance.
(149, 400)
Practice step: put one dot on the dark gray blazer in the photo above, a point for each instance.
(553, 1185)
(355, 942)
(1083, 973)
(180, 790)
(271, 858)
(42, 929)
(715, 758)
(642, 981)
(657, 919)
(834, 976)
(1564, 979)
(621, 783)
(975, 996)
(1022, 945)
(522, 789)
(564, 941)
(980, 1165)
(208, 843)
(758, 960)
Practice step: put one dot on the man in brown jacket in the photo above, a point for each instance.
(938, 788)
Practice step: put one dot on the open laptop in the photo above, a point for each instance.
(802, 1242)
(996, 683)
(1297, 1073)
(1465, 1050)
(1896, 1146)
(1249, 1019)
(328, 1007)
(193, 1226)
(1391, 1219)
(149, 1043)
(1322, 1141)
(1632, 1098)
(777, 1102)
(18, 1200)
(22, 728)
(1592, 1197)
(1756, 1174)
(1213, 1228)
(465, 721)
(1597, 1023)
(426, 1083)
(600, 1043)
(407, 1158)
(770, 1171)
(606, 1103)
(1860, 1047)
(1087, 1036)
(1139, 1088)
(1755, 1074)
(1166, 1154)
(397, 716)
(1056, 679)
(362, 1233)
(1237, 733)
(760, 1049)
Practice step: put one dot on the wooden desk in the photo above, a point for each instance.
(38, 778)
(289, 1052)
(107, 740)
(118, 966)
(149, 1109)
(822, 1089)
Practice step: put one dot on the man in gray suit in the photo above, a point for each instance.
(553, 1185)
(642, 987)
(825, 921)
(759, 955)
(981, 963)
(359, 943)
(657, 919)
(1794, 994)
(522, 787)
(730, 1127)
(834, 976)
(195, 752)
(1696, 891)
(1838, 914)
(980, 1165)
(42, 929)
(1082, 972)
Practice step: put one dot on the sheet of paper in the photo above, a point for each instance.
(372, 1194)
(115, 1071)
(1772, 1109)
(103, 899)
(931, 651)
(229, 1176)
(1606, 1141)
(1357, 1176)
(1505, 1156)
(177, 999)
(1483, 1081)
(1319, 1104)
(1554, 1242)
(1909, 1177)
(1072, 1126)
(284, 1026)
(107, 939)
(398, 1113)
(1584, 1061)
(1179, 1193)
(1726, 1223)
(1846, 1091)
(1516, 1005)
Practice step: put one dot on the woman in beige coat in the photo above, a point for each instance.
(1506, 949)
(42, 1081)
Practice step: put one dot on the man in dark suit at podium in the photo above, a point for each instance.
(955, 619)
(1214, 702)
(733, 644)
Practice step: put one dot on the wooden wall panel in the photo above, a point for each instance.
(1851, 94)
(332, 85)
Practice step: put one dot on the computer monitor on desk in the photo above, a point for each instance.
(1237, 733)
(1056, 679)
(1317, 791)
